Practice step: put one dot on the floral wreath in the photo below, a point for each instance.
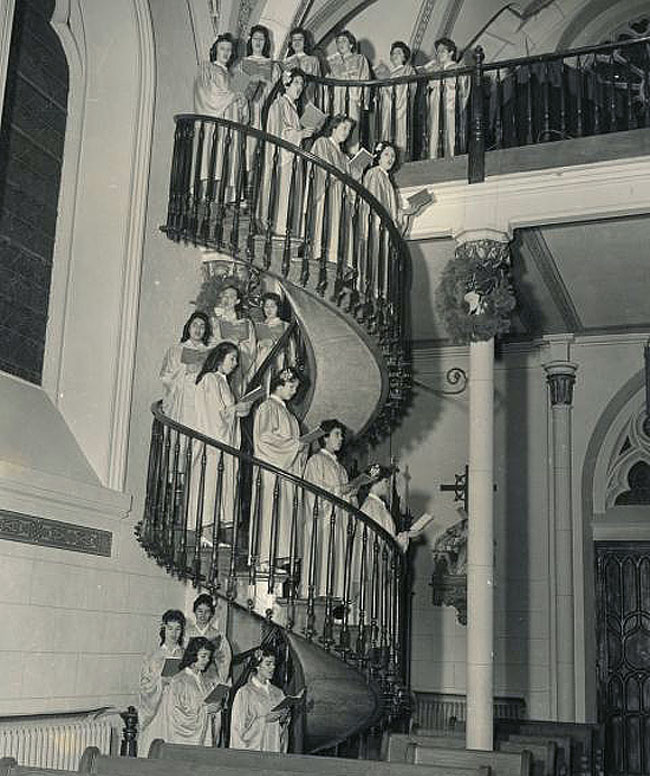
(475, 296)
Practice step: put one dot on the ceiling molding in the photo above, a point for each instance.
(333, 16)
(538, 249)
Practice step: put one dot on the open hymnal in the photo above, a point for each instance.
(420, 524)
(289, 701)
(359, 162)
(254, 395)
(217, 694)
(312, 117)
(419, 200)
(312, 436)
(192, 356)
(171, 666)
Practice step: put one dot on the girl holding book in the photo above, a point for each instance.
(397, 101)
(229, 324)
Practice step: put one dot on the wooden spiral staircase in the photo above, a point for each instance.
(342, 264)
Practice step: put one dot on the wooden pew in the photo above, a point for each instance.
(181, 760)
(500, 763)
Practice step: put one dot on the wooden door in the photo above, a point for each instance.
(623, 611)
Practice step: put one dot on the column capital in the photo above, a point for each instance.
(481, 235)
(560, 378)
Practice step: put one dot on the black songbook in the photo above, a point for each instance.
(192, 356)
(290, 701)
(312, 117)
(359, 162)
(254, 395)
(171, 666)
(217, 694)
(420, 199)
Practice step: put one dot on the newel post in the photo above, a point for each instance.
(129, 743)
(476, 161)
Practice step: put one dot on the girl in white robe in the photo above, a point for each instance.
(348, 65)
(229, 325)
(181, 365)
(284, 122)
(185, 714)
(324, 470)
(217, 416)
(214, 95)
(394, 112)
(268, 332)
(152, 684)
(253, 723)
(298, 56)
(277, 440)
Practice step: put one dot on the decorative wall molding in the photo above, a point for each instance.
(27, 529)
(421, 23)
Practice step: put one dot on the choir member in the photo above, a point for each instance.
(217, 416)
(204, 624)
(268, 332)
(379, 182)
(185, 713)
(230, 325)
(254, 724)
(397, 101)
(324, 470)
(299, 56)
(283, 179)
(180, 366)
(277, 441)
(375, 504)
(349, 65)
(214, 95)
(447, 100)
(153, 685)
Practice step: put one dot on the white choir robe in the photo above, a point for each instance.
(215, 417)
(241, 332)
(324, 470)
(444, 94)
(326, 148)
(283, 121)
(248, 728)
(184, 713)
(151, 691)
(257, 69)
(310, 65)
(214, 96)
(404, 100)
(276, 439)
(380, 185)
(354, 67)
(179, 383)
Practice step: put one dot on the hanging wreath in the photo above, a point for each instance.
(475, 296)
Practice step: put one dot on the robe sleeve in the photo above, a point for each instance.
(172, 368)
(212, 94)
(187, 711)
(224, 402)
(151, 687)
(273, 439)
(245, 715)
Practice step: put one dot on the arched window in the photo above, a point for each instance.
(31, 153)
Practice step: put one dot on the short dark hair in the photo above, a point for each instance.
(260, 654)
(284, 376)
(273, 297)
(337, 120)
(289, 76)
(379, 149)
(225, 38)
(215, 358)
(207, 334)
(328, 426)
(172, 615)
(266, 51)
(449, 44)
(306, 37)
(399, 44)
(192, 651)
(347, 34)
(202, 599)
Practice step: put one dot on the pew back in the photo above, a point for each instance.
(501, 763)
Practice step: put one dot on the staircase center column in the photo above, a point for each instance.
(476, 299)
(560, 377)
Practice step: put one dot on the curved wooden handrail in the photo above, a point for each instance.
(156, 409)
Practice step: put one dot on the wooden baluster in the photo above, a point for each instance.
(310, 628)
(346, 101)
(330, 100)
(275, 530)
(597, 95)
(563, 78)
(612, 94)
(221, 195)
(181, 556)
(324, 238)
(163, 495)
(173, 206)
(341, 251)
(308, 241)
(254, 187)
(293, 194)
(344, 641)
(129, 742)
(579, 90)
(354, 248)
(398, 618)
(380, 292)
(213, 574)
(476, 160)
(631, 118)
(546, 105)
(409, 152)
(271, 205)
(646, 87)
(170, 525)
(529, 104)
(364, 129)
(328, 626)
(204, 228)
(425, 114)
(186, 179)
(231, 587)
(393, 113)
(514, 114)
(363, 600)
(369, 273)
(196, 187)
(156, 447)
(498, 123)
(240, 156)
(385, 604)
(374, 593)
(199, 516)
(294, 562)
(255, 531)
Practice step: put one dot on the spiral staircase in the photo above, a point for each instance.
(307, 228)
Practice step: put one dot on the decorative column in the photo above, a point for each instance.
(560, 377)
(475, 299)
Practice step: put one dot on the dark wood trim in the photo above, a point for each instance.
(28, 529)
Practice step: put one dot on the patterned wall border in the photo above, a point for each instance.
(421, 24)
(16, 527)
